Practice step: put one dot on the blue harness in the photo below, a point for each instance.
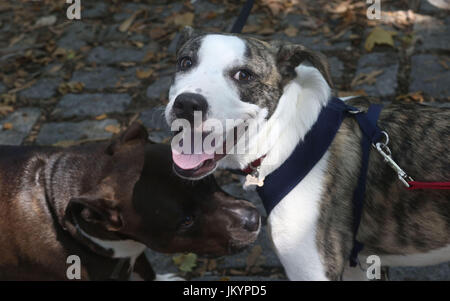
(309, 152)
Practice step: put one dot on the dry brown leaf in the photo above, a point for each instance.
(127, 64)
(291, 31)
(266, 31)
(210, 15)
(237, 272)
(7, 126)
(4, 109)
(413, 96)
(157, 32)
(16, 39)
(101, 117)
(9, 98)
(366, 78)
(128, 22)
(275, 6)
(352, 93)
(112, 129)
(59, 53)
(186, 19)
(143, 74)
(70, 87)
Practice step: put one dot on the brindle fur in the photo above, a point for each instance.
(394, 220)
(272, 65)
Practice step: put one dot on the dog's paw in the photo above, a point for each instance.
(168, 277)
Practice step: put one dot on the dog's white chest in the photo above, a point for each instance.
(292, 225)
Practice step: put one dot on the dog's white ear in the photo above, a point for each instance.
(290, 56)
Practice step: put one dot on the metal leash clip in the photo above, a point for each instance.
(384, 150)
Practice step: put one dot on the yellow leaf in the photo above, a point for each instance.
(7, 126)
(379, 36)
(142, 74)
(101, 117)
(185, 262)
(112, 129)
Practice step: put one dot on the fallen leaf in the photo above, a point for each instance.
(210, 15)
(185, 262)
(186, 19)
(291, 31)
(46, 21)
(70, 87)
(9, 98)
(59, 53)
(112, 129)
(7, 126)
(250, 28)
(128, 22)
(379, 36)
(16, 39)
(414, 96)
(101, 117)
(4, 109)
(237, 272)
(157, 32)
(142, 74)
(366, 78)
(352, 93)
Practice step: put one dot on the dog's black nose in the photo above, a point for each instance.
(251, 219)
(187, 103)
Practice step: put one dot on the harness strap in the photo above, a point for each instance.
(242, 18)
(371, 134)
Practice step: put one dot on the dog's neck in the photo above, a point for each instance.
(297, 111)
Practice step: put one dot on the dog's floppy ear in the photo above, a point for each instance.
(135, 134)
(93, 210)
(289, 56)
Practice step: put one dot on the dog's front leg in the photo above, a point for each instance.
(293, 227)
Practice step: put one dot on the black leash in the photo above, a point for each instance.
(242, 18)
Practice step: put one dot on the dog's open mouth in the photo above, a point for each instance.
(198, 164)
(195, 165)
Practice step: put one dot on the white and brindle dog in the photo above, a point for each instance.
(235, 77)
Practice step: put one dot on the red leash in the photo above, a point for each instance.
(413, 185)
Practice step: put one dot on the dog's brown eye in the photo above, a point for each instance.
(185, 63)
(243, 76)
(187, 222)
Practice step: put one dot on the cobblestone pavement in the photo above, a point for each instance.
(63, 82)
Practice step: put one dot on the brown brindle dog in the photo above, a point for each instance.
(106, 203)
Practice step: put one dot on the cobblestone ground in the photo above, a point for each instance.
(65, 82)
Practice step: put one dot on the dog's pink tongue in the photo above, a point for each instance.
(190, 161)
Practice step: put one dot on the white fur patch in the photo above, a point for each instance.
(293, 223)
(216, 54)
(168, 277)
(122, 248)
